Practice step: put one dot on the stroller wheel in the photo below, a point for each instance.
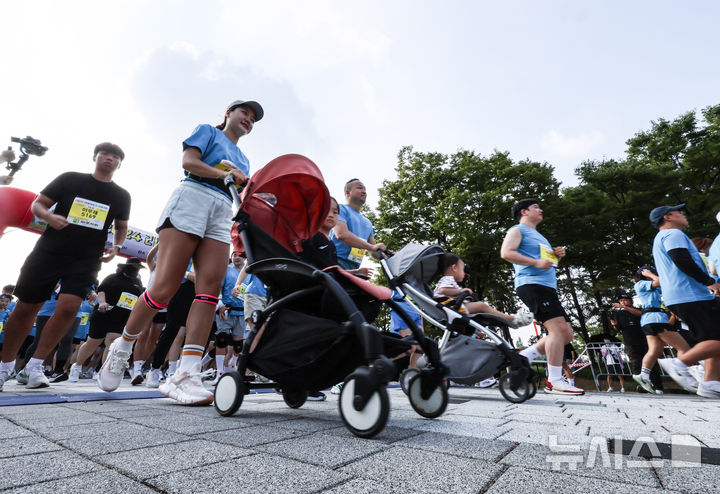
(229, 393)
(405, 377)
(372, 418)
(533, 389)
(434, 405)
(518, 395)
(295, 399)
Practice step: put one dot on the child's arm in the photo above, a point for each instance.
(453, 292)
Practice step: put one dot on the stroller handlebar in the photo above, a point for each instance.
(229, 180)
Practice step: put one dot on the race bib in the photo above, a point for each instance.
(356, 255)
(84, 318)
(87, 213)
(2, 325)
(547, 253)
(126, 300)
(222, 166)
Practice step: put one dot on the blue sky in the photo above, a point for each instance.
(345, 83)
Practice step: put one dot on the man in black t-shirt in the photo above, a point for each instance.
(71, 248)
(626, 320)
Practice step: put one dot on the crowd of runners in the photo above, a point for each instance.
(196, 310)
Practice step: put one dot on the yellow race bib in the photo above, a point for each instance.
(356, 255)
(126, 300)
(84, 318)
(547, 253)
(87, 213)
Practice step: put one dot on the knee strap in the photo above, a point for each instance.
(151, 303)
(222, 340)
(206, 298)
(237, 346)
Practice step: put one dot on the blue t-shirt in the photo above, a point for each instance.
(531, 246)
(358, 225)
(678, 288)
(215, 146)
(714, 256)
(231, 276)
(253, 284)
(396, 322)
(48, 308)
(650, 298)
(86, 309)
(3, 319)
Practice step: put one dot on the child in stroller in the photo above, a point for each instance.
(447, 289)
(470, 360)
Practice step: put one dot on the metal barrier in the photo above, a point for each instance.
(595, 356)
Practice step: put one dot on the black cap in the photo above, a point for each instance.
(657, 214)
(648, 267)
(624, 295)
(132, 261)
(254, 105)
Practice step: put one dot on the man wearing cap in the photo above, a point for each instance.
(688, 291)
(534, 262)
(353, 233)
(86, 206)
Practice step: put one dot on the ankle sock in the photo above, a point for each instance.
(191, 356)
(531, 353)
(554, 373)
(35, 363)
(126, 341)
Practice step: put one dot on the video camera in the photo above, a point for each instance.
(28, 146)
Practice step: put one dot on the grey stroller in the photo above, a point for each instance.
(470, 360)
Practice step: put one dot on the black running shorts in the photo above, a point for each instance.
(542, 301)
(42, 270)
(702, 317)
(657, 328)
(160, 317)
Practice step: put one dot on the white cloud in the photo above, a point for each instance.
(577, 146)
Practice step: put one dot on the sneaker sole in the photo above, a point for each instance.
(38, 386)
(566, 393)
(712, 395)
(107, 389)
(137, 380)
(644, 385)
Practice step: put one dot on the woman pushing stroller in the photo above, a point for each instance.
(195, 225)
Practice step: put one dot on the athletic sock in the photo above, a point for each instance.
(206, 360)
(645, 372)
(137, 366)
(126, 341)
(191, 356)
(172, 367)
(233, 362)
(35, 363)
(8, 367)
(531, 353)
(220, 363)
(554, 373)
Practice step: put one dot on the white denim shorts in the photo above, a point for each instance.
(200, 211)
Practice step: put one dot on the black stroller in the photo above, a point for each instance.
(314, 331)
(410, 272)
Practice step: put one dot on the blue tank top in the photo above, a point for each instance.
(534, 245)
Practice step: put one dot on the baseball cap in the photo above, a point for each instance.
(657, 214)
(648, 267)
(256, 108)
(624, 295)
(132, 261)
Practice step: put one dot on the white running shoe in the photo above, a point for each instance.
(75, 371)
(609, 390)
(697, 371)
(4, 376)
(137, 378)
(218, 375)
(187, 388)
(113, 370)
(709, 389)
(645, 383)
(337, 389)
(680, 375)
(36, 378)
(562, 387)
(486, 383)
(523, 318)
(152, 379)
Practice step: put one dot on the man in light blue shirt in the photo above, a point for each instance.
(714, 255)
(688, 291)
(534, 261)
(353, 233)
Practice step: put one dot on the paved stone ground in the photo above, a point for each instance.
(481, 444)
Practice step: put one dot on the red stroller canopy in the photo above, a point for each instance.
(288, 199)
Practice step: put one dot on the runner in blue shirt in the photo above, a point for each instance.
(714, 255)
(688, 291)
(534, 261)
(353, 233)
(654, 323)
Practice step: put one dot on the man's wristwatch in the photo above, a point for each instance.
(118, 247)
